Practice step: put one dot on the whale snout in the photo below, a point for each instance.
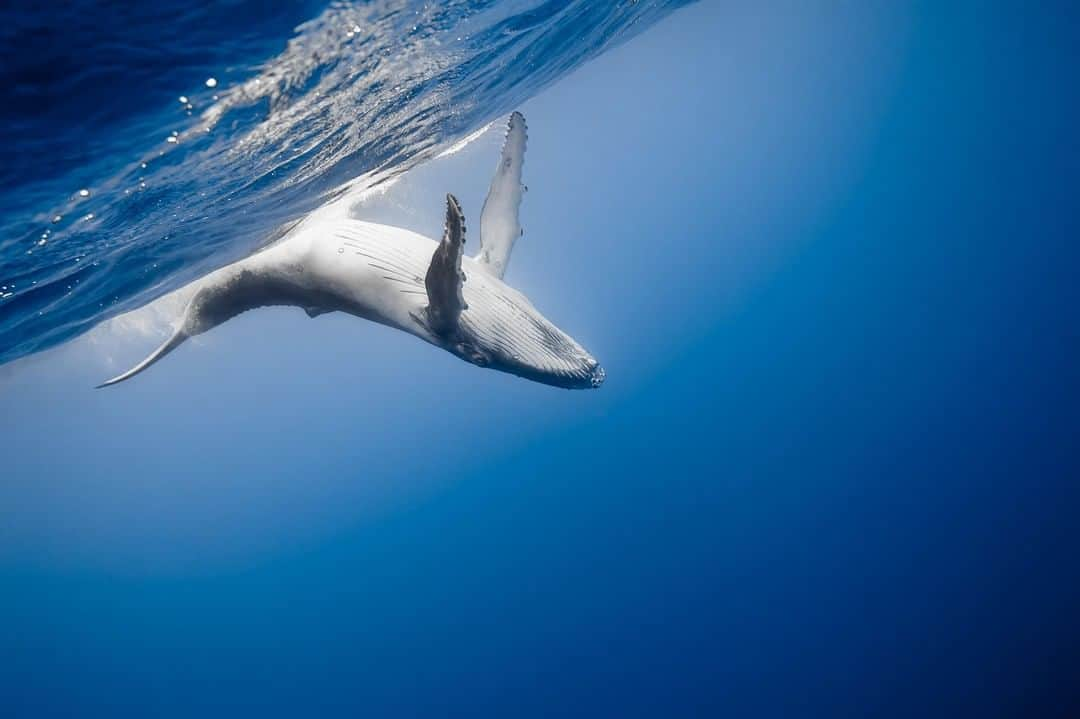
(578, 373)
(597, 375)
(588, 374)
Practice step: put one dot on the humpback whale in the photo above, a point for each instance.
(402, 279)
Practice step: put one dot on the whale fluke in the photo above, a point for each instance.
(444, 276)
(499, 226)
(223, 295)
(168, 346)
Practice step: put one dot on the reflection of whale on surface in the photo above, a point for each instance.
(405, 280)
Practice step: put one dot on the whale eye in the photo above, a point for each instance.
(472, 354)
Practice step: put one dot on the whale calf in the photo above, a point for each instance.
(402, 279)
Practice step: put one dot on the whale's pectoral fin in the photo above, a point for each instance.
(444, 277)
(499, 226)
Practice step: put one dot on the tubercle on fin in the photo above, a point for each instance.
(516, 116)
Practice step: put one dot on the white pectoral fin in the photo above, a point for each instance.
(444, 277)
(499, 226)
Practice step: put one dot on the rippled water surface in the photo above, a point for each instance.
(147, 144)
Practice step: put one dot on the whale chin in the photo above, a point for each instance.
(590, 376)
(590, 379)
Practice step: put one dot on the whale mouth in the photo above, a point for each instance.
(590, 376)
(587, 375)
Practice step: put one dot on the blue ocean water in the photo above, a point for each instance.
(826, 252)
(125, 172)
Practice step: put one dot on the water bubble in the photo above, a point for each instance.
(42, 242)
(143, 165)
(171, 139)
(84, 193)
(57, 219)
(211, 82)
(340, 250)
(183, 100)
(89, 216)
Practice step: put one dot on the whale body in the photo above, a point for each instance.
(407, 281)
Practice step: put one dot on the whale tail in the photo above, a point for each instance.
(189, 326)
(223, 295)
(168, 346)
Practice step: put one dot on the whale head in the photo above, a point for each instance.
(474, 314)
(500, 329)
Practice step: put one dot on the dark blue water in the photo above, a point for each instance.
(124, 173)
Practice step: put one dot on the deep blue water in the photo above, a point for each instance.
(826, 252)
(305, 98)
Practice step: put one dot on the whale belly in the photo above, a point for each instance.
(376, 271)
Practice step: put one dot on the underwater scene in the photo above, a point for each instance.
(539, 358)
